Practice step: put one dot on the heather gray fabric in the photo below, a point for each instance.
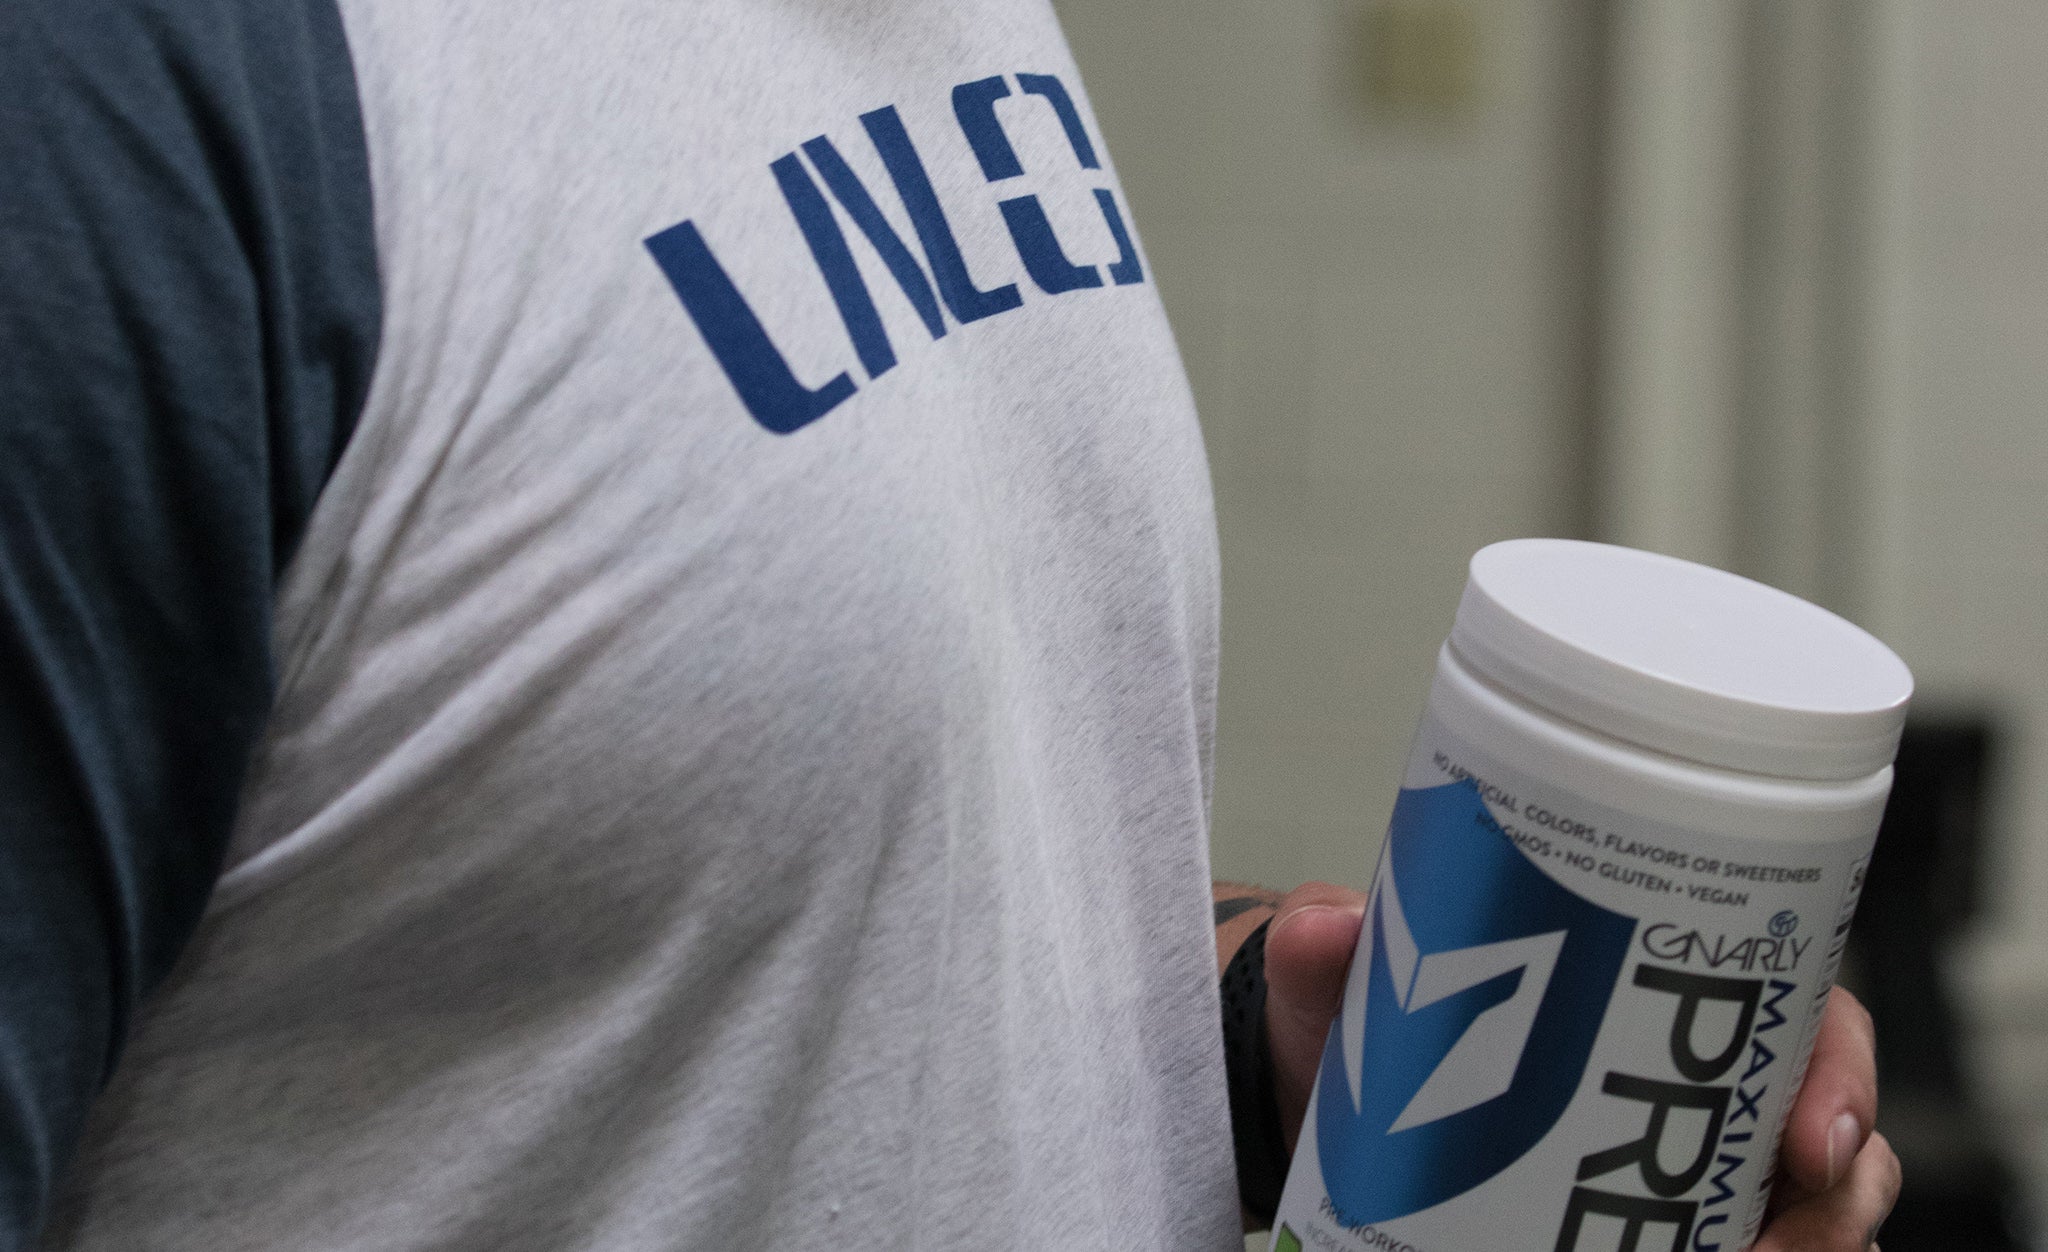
(671, 833)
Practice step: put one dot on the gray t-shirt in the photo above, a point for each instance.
(735, 771)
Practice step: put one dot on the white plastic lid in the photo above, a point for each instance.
(1682, 659)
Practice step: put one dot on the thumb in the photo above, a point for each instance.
(1308, 953)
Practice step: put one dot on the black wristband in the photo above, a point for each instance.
(1248, 1063)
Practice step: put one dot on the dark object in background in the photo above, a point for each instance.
(1960, 1194)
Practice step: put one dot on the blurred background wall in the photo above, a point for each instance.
(1757, 282)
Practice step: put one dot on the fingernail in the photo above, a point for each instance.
(1282, 923)
(1845, 1134)
(1286, 921)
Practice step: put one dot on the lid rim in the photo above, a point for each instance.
(1657, 707)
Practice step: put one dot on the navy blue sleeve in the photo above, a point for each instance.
(188, 319)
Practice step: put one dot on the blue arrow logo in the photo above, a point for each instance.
(1486, 985)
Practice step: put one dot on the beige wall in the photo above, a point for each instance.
(1965, 545)
(1385, 319)
(1376, 312)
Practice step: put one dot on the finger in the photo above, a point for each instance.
(1308, 952)
(1844, 1218)
(1837, 1104)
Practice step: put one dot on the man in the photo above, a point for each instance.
(610, 622)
